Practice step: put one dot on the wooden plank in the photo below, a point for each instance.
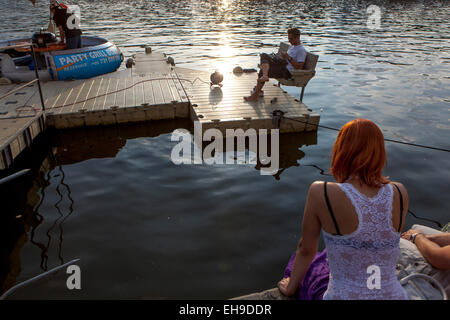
(130, 97)
(139, 92)
(244, 114)
(148, 92)
(68, 100)
(18, 103)
(167, 93)
(12, 135)
(54, 101)
(121, 94)
(79, 95)
(151, 64)
(111, 98)
(157, 92)
(90, 93)
(8, 128)
(227, 105)
(105, 93)
(95, 104)
(235, 107)
(173, 88)
(5, 88)
(180, 89)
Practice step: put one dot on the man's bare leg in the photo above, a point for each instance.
(260, 84)
(265, 73)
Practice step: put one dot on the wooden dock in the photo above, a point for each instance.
(224, 107)
(152, 90)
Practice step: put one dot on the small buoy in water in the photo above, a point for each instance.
(171, 61)
(130, 63)
(216, 78)
(238, 70)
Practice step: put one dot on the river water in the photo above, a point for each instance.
(146, 228)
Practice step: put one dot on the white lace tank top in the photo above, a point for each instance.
(362, 264)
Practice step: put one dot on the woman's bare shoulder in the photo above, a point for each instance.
(400, 186)
(317, 187)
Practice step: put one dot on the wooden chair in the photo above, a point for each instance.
(300, 78)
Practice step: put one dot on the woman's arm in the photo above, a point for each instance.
(442, 239)
(405, 197)
(308, 244)
(437, 256)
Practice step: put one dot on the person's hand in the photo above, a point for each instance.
(284, 55)
(406, 235)
(283, 285)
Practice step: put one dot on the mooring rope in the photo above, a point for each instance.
(280, 115)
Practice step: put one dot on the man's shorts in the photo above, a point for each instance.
(277, 66)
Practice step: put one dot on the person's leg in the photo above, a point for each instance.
(255, 95)
(265, 67)
(265, 64)
(71, 43)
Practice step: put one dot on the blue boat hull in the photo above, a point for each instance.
(86, 62)
(98, 56)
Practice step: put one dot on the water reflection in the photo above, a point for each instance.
(215, 97)
(74, 146)
(290, 152)
(63, 190)
(21, 200)
(396, 76)
(47, 185)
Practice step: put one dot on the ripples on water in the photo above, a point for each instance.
(145, 228)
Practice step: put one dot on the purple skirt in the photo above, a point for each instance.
(315, 282)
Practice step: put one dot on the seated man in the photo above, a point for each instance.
(276, 67)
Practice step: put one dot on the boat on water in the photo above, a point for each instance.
(97, 56)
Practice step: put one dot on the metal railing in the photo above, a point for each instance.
(14, 176)
(37, 79)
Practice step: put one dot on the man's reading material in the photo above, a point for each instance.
(283, 48)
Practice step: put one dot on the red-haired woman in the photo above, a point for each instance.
(361, 218)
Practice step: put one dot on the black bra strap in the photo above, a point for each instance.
(401, 206)
(331, 210)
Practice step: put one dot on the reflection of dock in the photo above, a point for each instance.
(289, 152)
(151, 90)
